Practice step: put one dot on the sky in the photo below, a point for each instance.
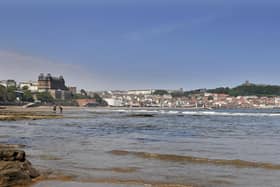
(141, 44)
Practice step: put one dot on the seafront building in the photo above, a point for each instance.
(48, 82)
(54, 85)
(30, 85)
(114, 102)
(72, 89)
(140, 92)
(142, 98)
(201, 99)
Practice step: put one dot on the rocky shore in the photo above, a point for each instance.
(15, 169)
(9, 115)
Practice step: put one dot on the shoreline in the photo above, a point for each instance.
(43, 108)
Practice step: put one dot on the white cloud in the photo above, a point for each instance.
(22, 67)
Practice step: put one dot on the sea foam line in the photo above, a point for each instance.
(193, 113)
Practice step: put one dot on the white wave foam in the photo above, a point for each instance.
(196, 113)
(207, 113)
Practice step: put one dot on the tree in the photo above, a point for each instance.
(45, 97)
(2, 93)
(177, 94)
(11, 93)
(99, 99)
(221, 90)
(83, 92)
(160, 92)
(249, 90)
(25, 88)
(80, 96)
(27, 96)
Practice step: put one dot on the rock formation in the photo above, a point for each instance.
(14, 168)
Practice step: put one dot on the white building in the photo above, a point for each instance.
(140, 92)
(114, 102)
(32, 85)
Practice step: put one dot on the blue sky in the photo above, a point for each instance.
(129, 44)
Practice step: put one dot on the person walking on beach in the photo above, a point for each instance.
(54, 109)
(61, 109)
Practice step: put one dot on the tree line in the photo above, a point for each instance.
(249, 90)
(242, 90)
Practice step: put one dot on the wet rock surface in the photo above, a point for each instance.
(6, 115)
(15, 169)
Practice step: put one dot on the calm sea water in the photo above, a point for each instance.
(206, 148)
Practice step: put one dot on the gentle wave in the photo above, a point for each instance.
(209, 113)
(197, 160)
(194, 113)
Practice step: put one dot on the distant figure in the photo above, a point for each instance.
(61, 109)
(54, 108)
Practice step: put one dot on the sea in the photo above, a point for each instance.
(204, 148)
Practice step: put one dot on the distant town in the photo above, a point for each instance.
(49, 90)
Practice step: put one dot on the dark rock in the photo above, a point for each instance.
(12, 155)
(142, 115)
(27, 166)
(15, 169)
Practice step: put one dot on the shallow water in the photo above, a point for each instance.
(206, 148)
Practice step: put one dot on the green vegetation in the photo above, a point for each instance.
(220, 90)
(81, 96)
(45, 97)
(187, 93)
(11, 94)
(249, 90)
(83, 92)
(160, 92)
(99, 99)
(2, 93)
(242, 90)
(27, 96)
